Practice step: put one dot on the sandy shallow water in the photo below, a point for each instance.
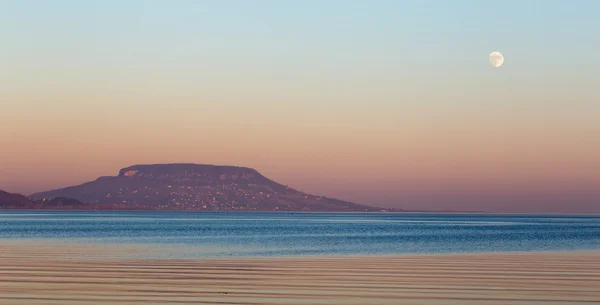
(46, 273)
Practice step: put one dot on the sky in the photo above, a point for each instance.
(388, 103)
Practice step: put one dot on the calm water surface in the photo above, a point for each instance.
(285, 234)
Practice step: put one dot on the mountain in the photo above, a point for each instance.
(20, 202)
(15, 201)
(63, 203)
(197, 187)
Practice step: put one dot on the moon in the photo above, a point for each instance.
(496, 59)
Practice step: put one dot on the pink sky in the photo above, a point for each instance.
(373, 103)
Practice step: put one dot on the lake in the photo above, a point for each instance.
(185, 234)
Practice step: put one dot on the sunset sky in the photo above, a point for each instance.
(389, 103)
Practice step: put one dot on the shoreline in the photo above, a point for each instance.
(165, 251)
(403, 212)
(47, 274)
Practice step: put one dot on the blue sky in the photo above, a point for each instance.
(401, 90)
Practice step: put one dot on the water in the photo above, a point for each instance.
(294, 234)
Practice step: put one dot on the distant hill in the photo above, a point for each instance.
(15, 201)
(197, 187)
(20, 202)
(63, 203)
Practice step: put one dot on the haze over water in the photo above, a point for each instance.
(175, 234)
